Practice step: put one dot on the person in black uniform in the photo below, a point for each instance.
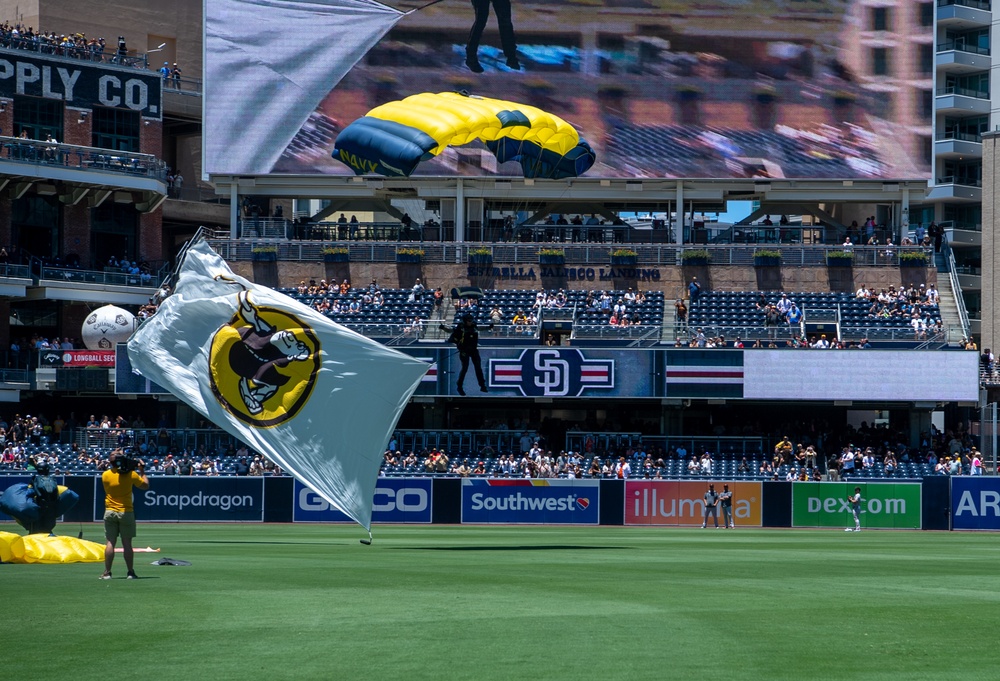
(504, 23)
(465, 336)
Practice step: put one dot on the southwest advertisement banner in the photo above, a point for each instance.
(191, 499)
(534, 502)
(975, 503)
(397, 500)
(883, 505)
(682, 503)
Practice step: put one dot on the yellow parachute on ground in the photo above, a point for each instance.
(44, 548)
(394, 138)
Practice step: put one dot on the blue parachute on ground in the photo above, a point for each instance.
(33, 510)
(394, 138)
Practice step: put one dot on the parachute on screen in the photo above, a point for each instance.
(394, 138)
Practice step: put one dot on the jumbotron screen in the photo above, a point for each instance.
(555, 89)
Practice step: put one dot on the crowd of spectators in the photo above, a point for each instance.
(75, 45)
(917, 304)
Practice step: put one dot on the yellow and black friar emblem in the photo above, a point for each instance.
(263, 364)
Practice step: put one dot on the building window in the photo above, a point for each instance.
(38, 117)
(114, 228)
(926, 60)
(880, 61)
(927, 14)
(880, 18)
(116, 129)
(926, 149)
(35, 223)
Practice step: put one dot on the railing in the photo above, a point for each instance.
(956, 287)
(964, 181)
(975, 4)
(83, 158)
(715, 445)
(962, 92)
(784, 334)
(955, 224)
(105, 55)
(97, 277)
(961, 46)
(636, 332)
(961, 136)
(588, 442)
(197, 193)
(989, 376)
(9, 271)
(576, 255)
(454, 441)
(969, 269)
(184, 86)
(213, 440)
(8, 376)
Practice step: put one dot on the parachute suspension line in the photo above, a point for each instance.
(417, 9)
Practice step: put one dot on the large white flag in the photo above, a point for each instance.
(320, 400)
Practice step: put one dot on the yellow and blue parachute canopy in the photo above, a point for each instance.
(394, 138)
(44, 548)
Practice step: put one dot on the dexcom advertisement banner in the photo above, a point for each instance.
(397, 500)
(885, 505)
(682, 503)
(195, 499)
(975, 503)
(542, 502)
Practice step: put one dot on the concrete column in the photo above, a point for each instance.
(679, 226)
(234, 210)
(459, 210)
(990, 329)
(904, 215)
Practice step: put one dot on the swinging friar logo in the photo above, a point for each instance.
(263, 364)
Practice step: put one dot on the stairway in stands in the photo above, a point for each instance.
(948, 305)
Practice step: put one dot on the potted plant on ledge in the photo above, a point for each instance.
(839, 259)
(336, 254)
(695, 256)
(551, 256)
(413, 255)
(624, 257)
(913, 259)
(765, 258)
(265, 254)
(480, 256)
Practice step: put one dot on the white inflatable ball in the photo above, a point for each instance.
(106, 327)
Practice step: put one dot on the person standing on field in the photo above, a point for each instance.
(711, 507)
(119, 516)
(855, 500)
(726, 500)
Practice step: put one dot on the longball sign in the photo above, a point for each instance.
(682, 503)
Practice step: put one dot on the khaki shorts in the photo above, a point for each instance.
(118, 524)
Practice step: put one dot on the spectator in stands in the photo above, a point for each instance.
(848, 245)
(889, 463)
(694, 290)
(480, 468)
(680, 311)
(416, 292)
(175, 76)
(462, 470)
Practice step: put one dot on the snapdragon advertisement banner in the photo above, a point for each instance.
(535, 502)
(975, 503)
(190, 499)
(883, 505)
(682, 503)
(397, 500)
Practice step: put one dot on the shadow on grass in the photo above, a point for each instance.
(266, 543)
(543, 547)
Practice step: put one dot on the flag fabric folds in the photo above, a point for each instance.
(318, 399)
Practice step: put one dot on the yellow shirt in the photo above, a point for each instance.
(118, 489)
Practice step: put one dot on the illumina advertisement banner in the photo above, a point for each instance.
(599, 89)
(883, 505)
(682, 503)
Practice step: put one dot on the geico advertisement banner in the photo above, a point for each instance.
(542, 502)
(171, 498)
(396, 500)
(683, 503)
(975, 503)
(883, 504)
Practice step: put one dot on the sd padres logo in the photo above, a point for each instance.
(263, 364)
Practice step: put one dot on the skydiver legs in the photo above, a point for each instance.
(464, 358)
(504, 23)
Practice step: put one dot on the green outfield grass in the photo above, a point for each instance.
(443, 602)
